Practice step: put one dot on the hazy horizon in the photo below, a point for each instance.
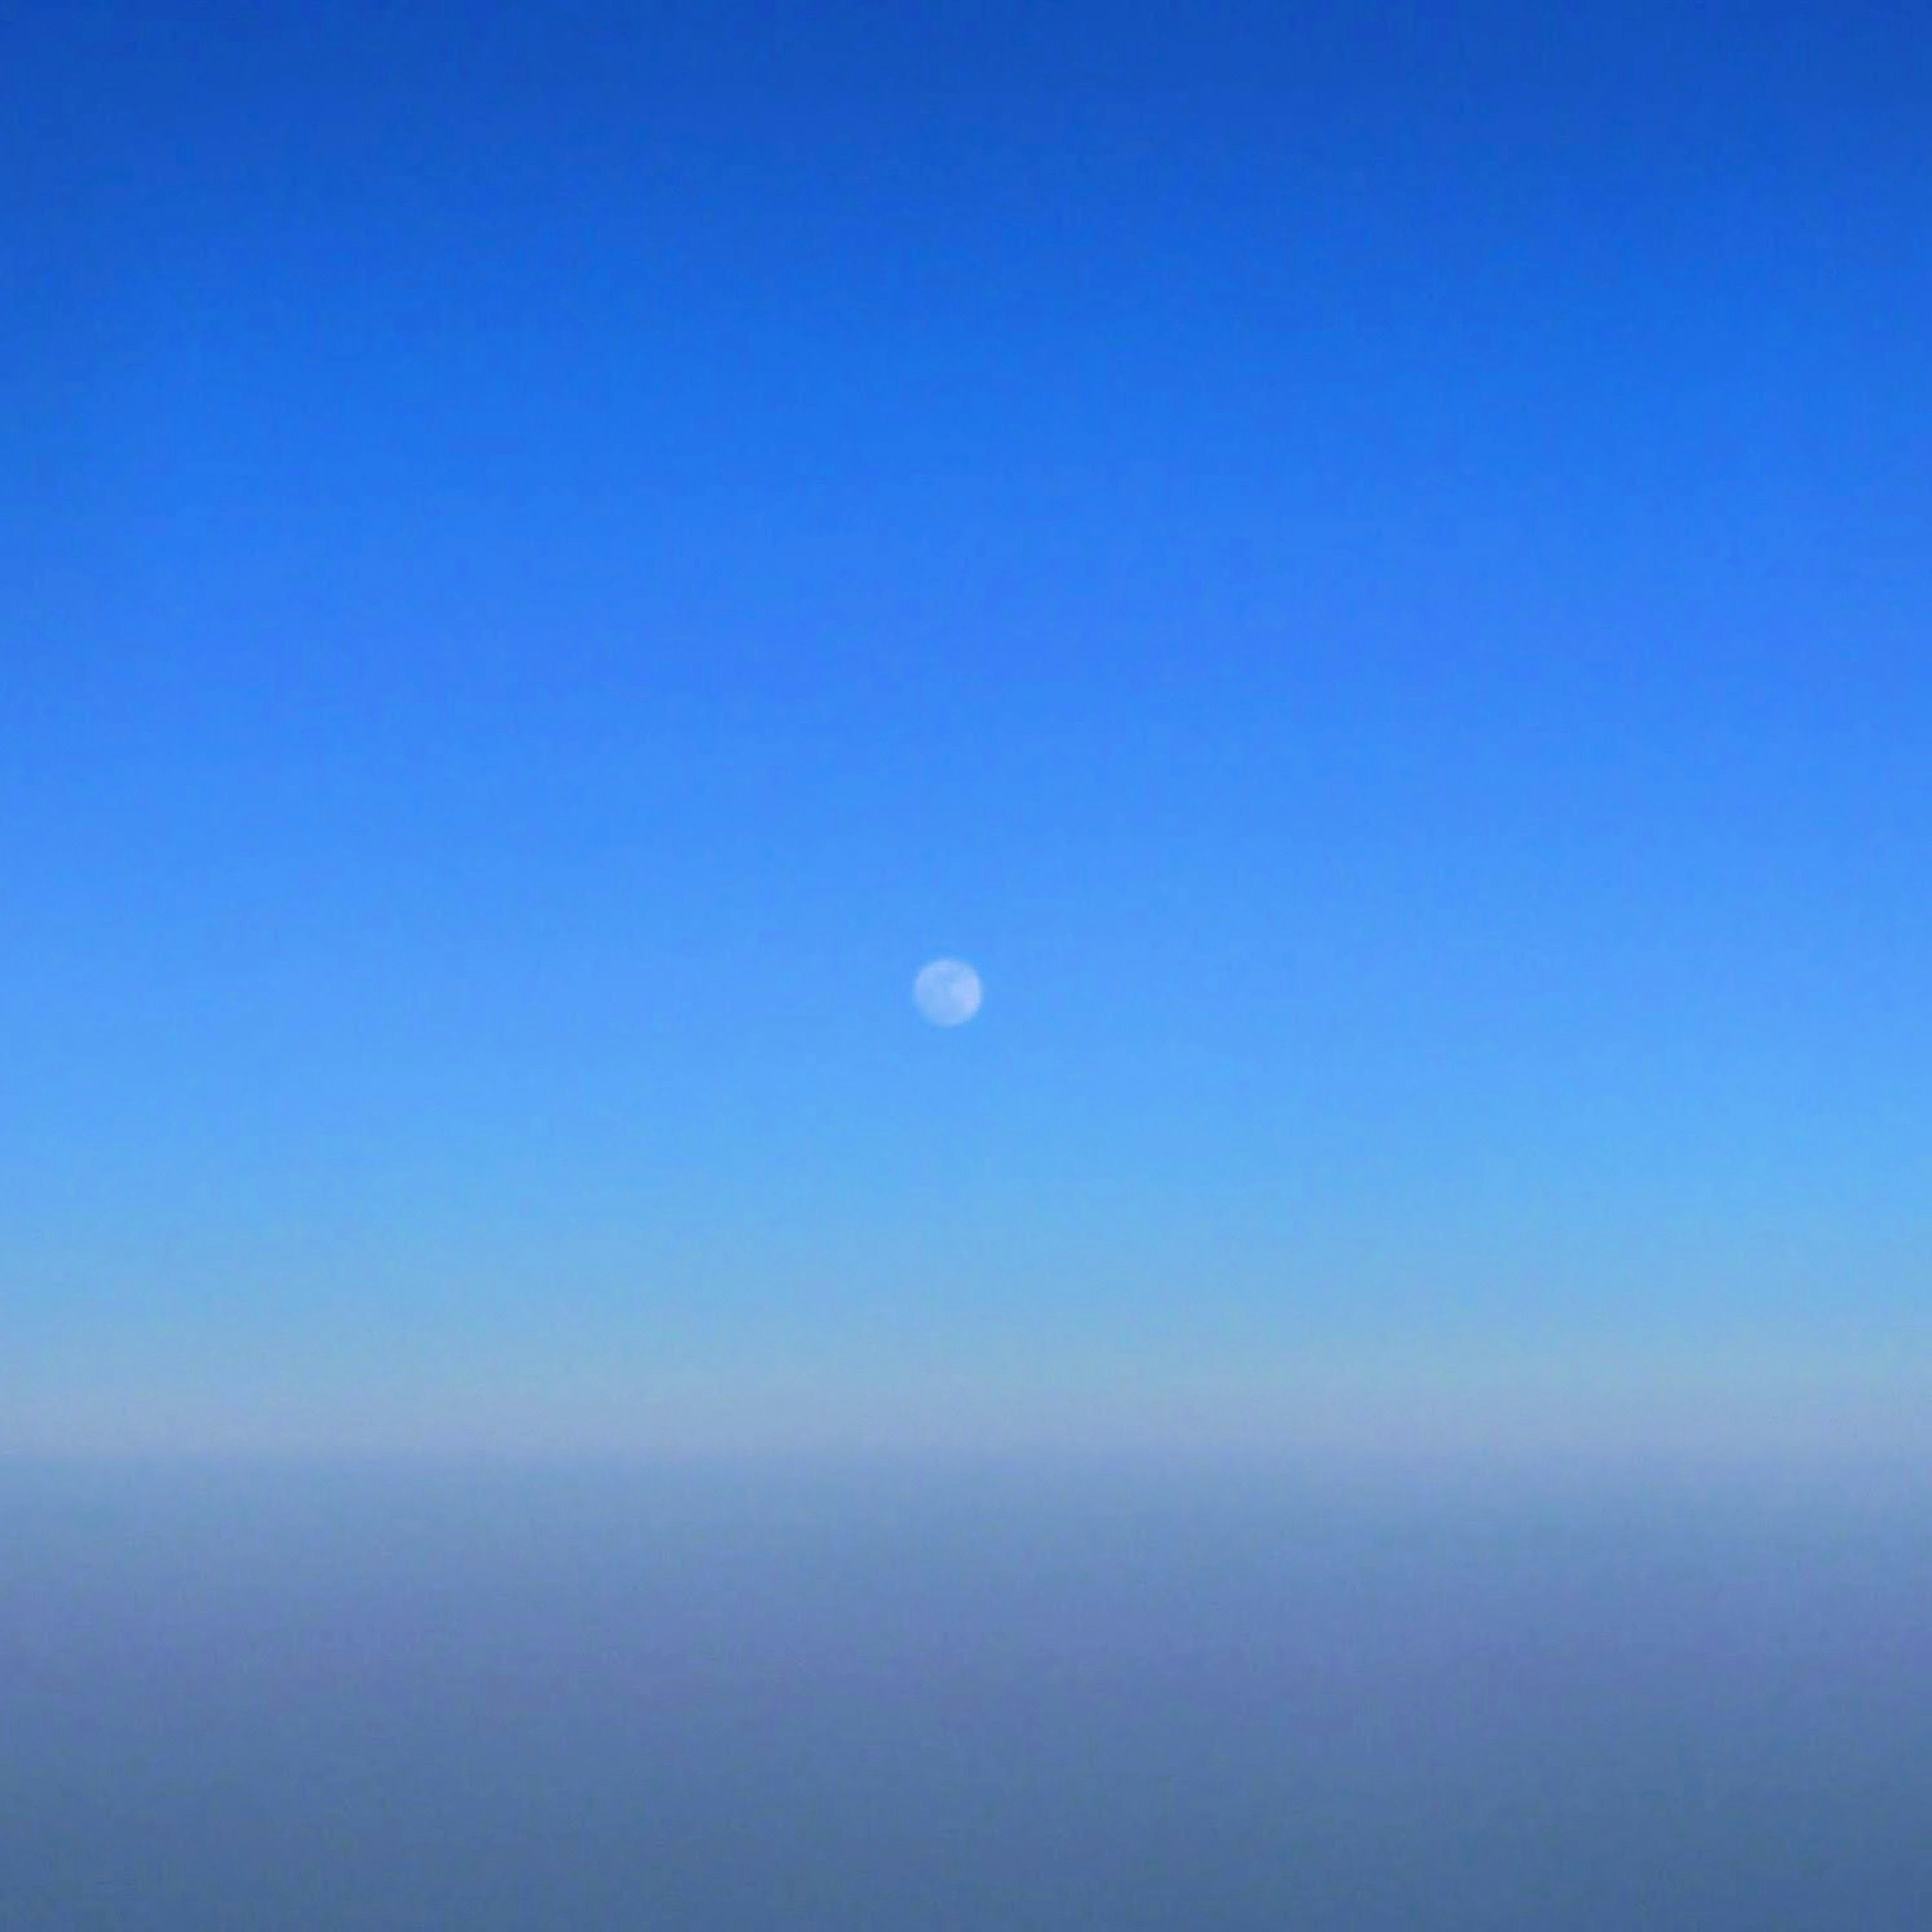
(392, 1699)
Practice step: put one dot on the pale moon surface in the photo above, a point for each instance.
(947, 992)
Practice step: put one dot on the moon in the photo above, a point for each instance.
(947, 992)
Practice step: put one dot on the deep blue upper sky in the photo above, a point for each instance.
(1371, 569)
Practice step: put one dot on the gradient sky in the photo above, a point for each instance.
(1371, 569)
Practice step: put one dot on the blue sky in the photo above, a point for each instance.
(1373, 573)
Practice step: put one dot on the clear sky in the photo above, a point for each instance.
(1371, 568)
